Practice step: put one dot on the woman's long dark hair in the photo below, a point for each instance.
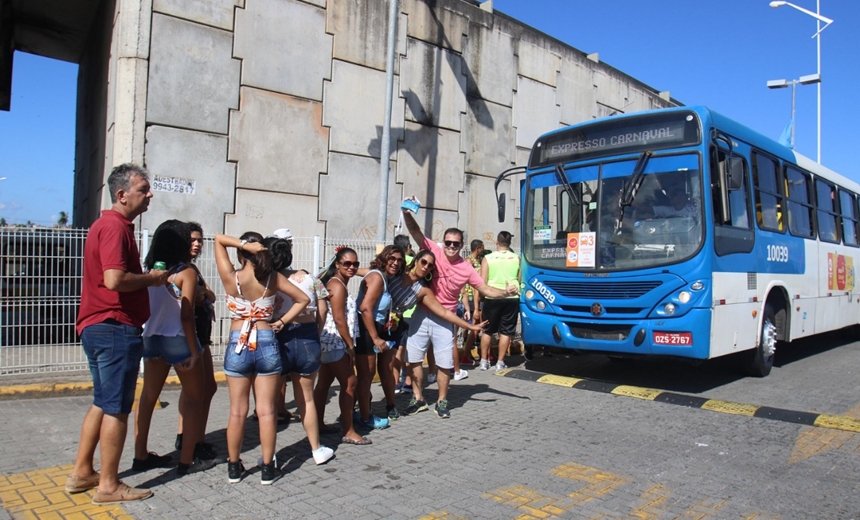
(262, 261)
(170, 244)
(420, 254)
(281, 250)
(332, 266)
(381, 259)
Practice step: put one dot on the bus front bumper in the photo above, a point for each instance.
(685, 336)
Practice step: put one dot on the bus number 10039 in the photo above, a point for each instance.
(777, 253)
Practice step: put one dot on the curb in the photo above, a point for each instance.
(820, 420)
(43, 390)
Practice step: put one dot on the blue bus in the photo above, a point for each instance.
(679, 232)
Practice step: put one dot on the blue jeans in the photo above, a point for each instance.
(113, 353)
(264, 361)
(173, 349)
(300, 348)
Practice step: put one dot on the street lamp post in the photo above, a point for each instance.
(817, 36)
(782, 83)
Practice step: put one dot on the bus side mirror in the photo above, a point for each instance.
(501, 207)
(735, 173)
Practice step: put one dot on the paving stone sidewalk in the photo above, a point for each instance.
(512, 449)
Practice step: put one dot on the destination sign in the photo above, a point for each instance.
(625, 135)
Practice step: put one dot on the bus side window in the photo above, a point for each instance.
(848, 208)
(826, 202)
(768, 196)
(730, 170)
(800, 211)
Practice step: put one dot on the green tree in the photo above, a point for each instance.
(63, 219)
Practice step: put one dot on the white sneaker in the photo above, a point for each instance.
(500, 365)
(322, 454)
(461, 375)
(431, 378)
(485, 365)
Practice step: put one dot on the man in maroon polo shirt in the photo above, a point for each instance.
(114, 307)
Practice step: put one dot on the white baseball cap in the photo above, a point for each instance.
(283, 234)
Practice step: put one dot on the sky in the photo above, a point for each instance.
(717, 53)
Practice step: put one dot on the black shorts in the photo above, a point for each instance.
(364, 345)
(502, 314)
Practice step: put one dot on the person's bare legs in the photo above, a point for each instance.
(385, 369)
(346, 397)
(114, 428)
(456, 354)
(239, 389)
(416, 372)
(324, 381)
(281, 400)
(154, 374)
(266, 390)
(90, 434)
(504, 344)
(211, 387)
(303, 392)
(365, 366)
(194, 387)
(443, 380)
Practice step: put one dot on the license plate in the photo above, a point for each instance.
(673, 338)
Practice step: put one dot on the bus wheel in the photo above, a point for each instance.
(761, 358)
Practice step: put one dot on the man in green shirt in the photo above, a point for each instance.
(500, 269)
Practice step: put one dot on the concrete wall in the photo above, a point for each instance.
(268, 113)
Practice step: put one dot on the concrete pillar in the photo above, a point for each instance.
(128, 80)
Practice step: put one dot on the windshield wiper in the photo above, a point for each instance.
(632, 188)
(562, 178)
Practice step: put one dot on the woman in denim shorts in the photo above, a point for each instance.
(337, 346)
(170, 339)
(300, 341)
(252, 357)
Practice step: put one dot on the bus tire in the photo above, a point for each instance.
(761, 358)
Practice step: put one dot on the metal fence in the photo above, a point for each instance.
(40, 286)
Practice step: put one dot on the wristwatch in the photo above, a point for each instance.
(242, 244)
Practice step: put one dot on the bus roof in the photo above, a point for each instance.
(738, 131)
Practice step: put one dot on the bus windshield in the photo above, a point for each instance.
(657, 224)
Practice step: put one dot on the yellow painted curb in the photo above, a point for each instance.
(559, 380)
(639, 393)
(838, 422)
(715, 405)
(39, 390)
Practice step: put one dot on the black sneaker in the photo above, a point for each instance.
(235, 471)
(269, 473)
(415, 406)
(178, 443)
(442, 409)
(205, 451)
(153, 461)
(195, 467)
(528, 352)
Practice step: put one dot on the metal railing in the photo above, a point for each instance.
(40, 285)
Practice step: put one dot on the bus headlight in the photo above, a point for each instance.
(697, 286)
(530, 294)
(669, 309)
(540, 305)
(684, 297)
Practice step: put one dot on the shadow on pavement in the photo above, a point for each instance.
(671, 374)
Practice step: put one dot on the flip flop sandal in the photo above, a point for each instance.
(363, 442)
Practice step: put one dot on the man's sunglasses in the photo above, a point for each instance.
(350, 265)
(451, 243)
(427, 263)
